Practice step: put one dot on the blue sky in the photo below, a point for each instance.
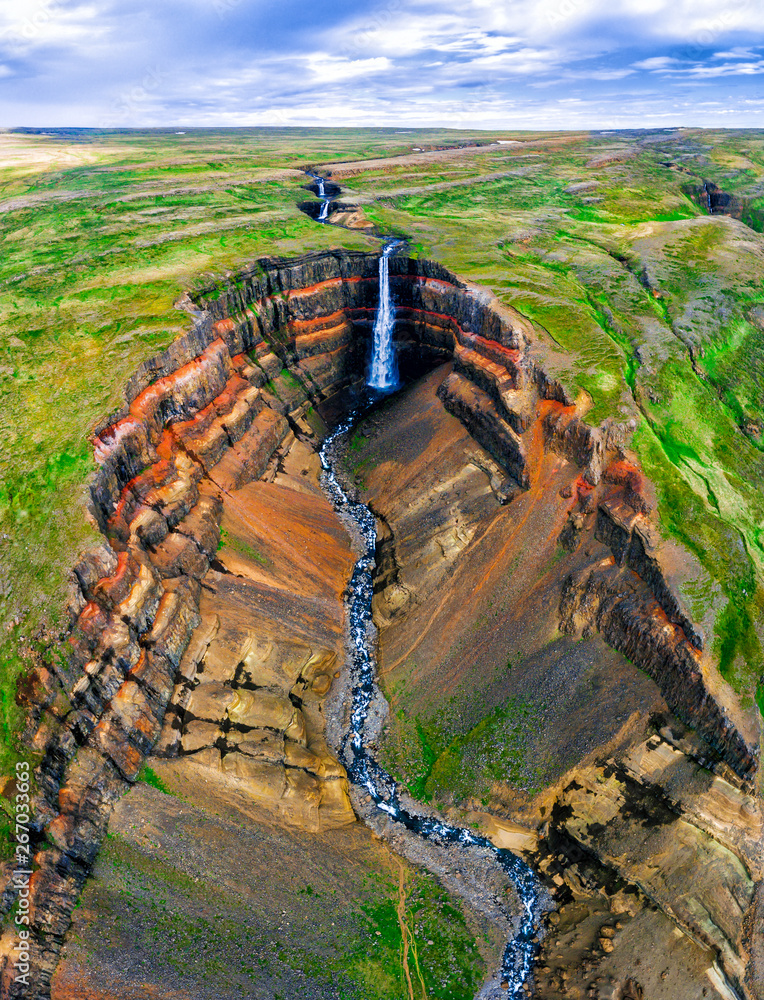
(471, 64)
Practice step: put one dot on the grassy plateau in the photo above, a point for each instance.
(642, 300)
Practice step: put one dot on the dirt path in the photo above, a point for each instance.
(407, 938)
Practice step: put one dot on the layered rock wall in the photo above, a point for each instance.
(268, 351)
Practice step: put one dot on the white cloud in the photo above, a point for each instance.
(601, 74)
(727, 69)
(656, 63)
(326, 68)
(409, 35)
(25, 27)
(737, 53)
(593, 25)
(475, 63)
(669, 67)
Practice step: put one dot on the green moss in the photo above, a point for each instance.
(492, 751)
(149, 777)
(291, 380)
(88, 286)
(243, 548)
(438, 760)
(429, 757)
(696, 524)
(223, 539)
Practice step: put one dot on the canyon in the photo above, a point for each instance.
(207, 631)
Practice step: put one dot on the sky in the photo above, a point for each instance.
(475, 64)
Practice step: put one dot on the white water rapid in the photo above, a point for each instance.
(366, 772)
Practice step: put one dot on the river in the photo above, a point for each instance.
(364, 770)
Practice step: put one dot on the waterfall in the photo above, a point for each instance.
(513, 981)
(326, 200)
(384, 365)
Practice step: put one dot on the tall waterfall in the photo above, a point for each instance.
(384, 364)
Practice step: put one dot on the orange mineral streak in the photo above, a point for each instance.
(436, 284)
(115, 589)
(547, 406)
(146, 403)
(137, 488)
(308, 344)
(298, 293)
(319, 326)
(166, 450)
(309, 325)
(507, 356)
(220, 404)
(90, 615)
(111, 436)
(582, 489)
(623, 473)
(76, 983)
(495, 369)
(224, 326)
(407, 312)
(303, 548)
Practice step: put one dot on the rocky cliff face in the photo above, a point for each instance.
(159, 617)
(165, 648)
(712, 199)
(653, 826)
(508, 707)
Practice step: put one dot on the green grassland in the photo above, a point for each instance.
(341, 936)
(101, 234)
(641, 300)
(652, 308)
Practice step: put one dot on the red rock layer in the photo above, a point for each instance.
(206, 417)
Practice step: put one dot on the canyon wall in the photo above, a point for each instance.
(274, 356)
